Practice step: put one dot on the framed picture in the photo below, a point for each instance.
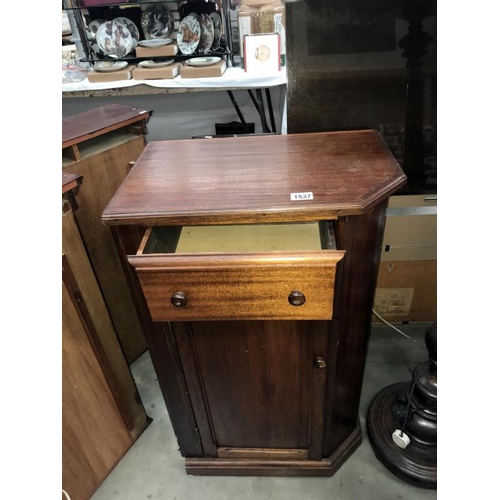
(262, 53)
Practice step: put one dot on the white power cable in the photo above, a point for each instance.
(66, 495)
(397, 329)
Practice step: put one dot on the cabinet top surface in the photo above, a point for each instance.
(99, 121)
(253, 179)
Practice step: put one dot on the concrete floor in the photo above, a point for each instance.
(154, 470)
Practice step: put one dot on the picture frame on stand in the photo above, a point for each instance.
(262, 53)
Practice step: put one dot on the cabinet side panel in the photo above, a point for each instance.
(123, 387)
(361, 237)
(94, 436)
(102, 175)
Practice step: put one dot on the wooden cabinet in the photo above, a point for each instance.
(256, 301)
(100, 144)
(102, 414)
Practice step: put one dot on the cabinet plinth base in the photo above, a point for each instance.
(255, 467)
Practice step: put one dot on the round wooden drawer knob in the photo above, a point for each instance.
(179, 299)
(296, 298)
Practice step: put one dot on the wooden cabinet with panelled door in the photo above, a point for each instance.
(101, 144)
(253, 261)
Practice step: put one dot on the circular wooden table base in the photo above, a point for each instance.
(417, 463)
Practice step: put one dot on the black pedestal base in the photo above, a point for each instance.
(417, 463)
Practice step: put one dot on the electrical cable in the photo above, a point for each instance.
(409, 399)
(66, 495)
(397, 329)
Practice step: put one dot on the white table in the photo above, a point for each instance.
(234, 78)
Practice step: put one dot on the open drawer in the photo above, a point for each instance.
(243, 272)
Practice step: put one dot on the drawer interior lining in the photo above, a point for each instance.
(240, 238)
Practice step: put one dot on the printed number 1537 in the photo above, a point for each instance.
(301, 196)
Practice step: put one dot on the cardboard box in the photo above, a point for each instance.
(268, 18)
(256, 3)
(406, 291)
(410, 228)
(165, 73)
(407, 278)
(113, 76)
(204, 71)
(164, 51)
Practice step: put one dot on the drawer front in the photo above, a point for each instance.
(239, 286)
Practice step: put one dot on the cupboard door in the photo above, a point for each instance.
(257, 387)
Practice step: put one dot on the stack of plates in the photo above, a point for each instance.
(202, 61)
(155, 42)
(108, 66)
(155, 64)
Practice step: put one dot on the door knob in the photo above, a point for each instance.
(179, 299)
(320, 363)
(296, 298)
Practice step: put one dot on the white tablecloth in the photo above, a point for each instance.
(232, 78)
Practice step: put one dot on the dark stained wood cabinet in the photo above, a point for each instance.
(253, 263)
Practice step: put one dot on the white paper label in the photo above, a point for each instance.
(301, 196)
(393, 300)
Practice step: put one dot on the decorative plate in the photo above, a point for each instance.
(188, 36)
(114, 39)
(217, 21)
(130, 25)
(157, 22)
(91, 29)
(155, 42)
(207, 33)
(108, 66)
(155, 64)
(203, 61)
(96, 48)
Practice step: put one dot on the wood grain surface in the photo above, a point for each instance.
(102, 175)
(238, 286)
(276, 467)
(257, 389)
(294, 384)
(125, 391)
(94, 436)
(250, 179)
(98, 121)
